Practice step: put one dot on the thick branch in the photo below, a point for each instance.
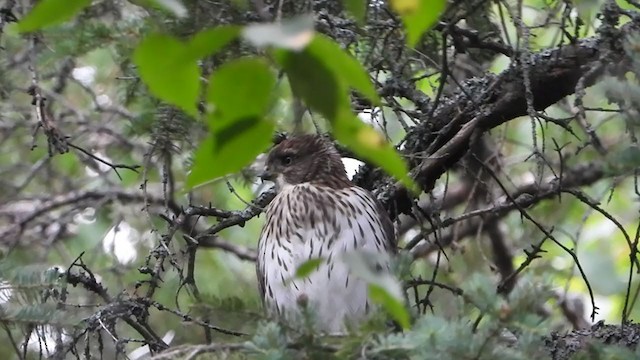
(447, 136)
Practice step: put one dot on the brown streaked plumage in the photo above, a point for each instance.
(306, 159)
(318, 213)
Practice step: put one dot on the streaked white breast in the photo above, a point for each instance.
(305, 222)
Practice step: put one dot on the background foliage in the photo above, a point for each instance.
(500, 136)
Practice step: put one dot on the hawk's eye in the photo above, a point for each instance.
(286, 160)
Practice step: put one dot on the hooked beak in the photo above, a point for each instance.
(266, 175)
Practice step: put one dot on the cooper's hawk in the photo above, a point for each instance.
(318, 213)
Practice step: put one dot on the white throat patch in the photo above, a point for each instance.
(281, 183)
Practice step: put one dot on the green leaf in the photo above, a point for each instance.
(417, 16)
(371, 146)
(357, 9)
(314, 82)
(343, 65)
(239, 131)
(214, 160)
(50, 12)
(319, 76)
(210, 41)
(170, 73)
(240, 88)
(391, 305)
(292, 34)
(306, 268)
(226, 132)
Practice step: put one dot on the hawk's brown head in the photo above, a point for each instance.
(306, 158)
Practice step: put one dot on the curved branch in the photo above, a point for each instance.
(445, 138)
